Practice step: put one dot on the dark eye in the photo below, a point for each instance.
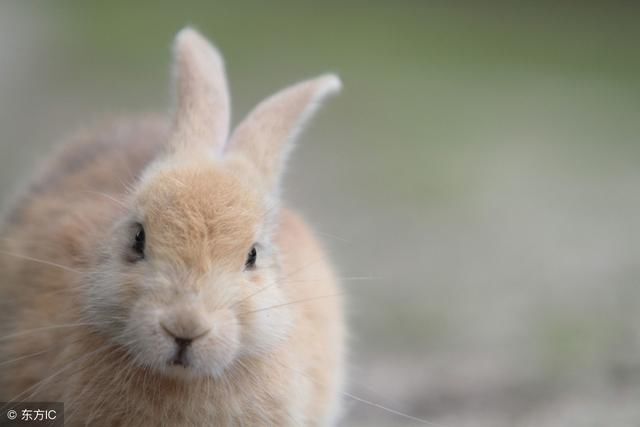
(139, 242)
(251, 259)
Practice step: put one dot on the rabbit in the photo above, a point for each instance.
(150, 274)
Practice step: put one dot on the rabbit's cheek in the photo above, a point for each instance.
(266, 325)
(213, 353)
(144, 340)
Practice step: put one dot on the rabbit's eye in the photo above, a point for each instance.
(139, 242)
(250, 264)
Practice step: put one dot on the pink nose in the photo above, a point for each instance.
(183, 338)
(186, 322)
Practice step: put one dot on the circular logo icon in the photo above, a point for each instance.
(11, 414)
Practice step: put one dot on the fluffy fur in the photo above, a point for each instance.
(87, 324)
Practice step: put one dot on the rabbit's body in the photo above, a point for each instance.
(62, 331)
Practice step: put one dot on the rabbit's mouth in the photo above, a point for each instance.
(181, 357)
(184, 349)
(206, 356)
(181, 367)
(187, 365)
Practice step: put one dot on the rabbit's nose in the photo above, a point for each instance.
(185, 323)
(182, 338)
(182, 345)
(183, 342)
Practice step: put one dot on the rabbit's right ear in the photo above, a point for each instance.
(202, 110)
(265, 137)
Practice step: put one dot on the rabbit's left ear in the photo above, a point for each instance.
(202, 110)
(266, 135)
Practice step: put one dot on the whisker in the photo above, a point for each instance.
(392, 411)
(37, 386)
(44, 328)
(264, 288)
(42, 261)
(108, 196)
(294, 302)
(36, 353)
(338, 279)
(278, 280)
(368, 402)
(23, 357)
(101, 399)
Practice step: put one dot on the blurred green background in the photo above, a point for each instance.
(476, 181)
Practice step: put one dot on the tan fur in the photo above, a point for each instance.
(83, 324)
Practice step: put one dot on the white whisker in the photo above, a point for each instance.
(278, 280)
(41, 261)
(392, 411)
(37, 386)
(23, 357)
(44, 328)
(113, 199)
(294, 302)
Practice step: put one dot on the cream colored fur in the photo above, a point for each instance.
(87, 323)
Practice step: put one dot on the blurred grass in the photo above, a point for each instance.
(419, 73)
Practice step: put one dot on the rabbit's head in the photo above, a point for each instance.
(188, 273)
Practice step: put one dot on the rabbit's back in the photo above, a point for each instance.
(51, 231)
(100, 161)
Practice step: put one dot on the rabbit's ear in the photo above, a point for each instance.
(266, 135)
(201, 93)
